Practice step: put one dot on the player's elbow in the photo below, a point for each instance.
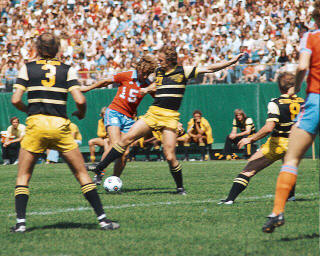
(80, 100)
(302, 67)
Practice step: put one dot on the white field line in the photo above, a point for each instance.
(78, 209)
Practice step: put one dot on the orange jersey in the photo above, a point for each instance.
(310, 43)
(128, 97)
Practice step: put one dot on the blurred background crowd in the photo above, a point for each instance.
(103, 37)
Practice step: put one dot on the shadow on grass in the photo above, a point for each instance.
(297, 200)
(66, 225)
(155, 190)
(288, 239)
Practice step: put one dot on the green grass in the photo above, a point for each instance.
(150, 225)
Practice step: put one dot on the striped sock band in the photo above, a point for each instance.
(88, 187)
(21, 190)
(177, 168)
(119, 148)
(290, 169)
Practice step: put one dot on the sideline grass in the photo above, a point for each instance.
(190, 225)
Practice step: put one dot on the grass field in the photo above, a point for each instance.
(154, 221)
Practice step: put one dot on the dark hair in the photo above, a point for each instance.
(316, 11)
(47, 45)
(241, 112)
(146, 65)
(286, 80)
(197, 112)
(14, 118)
(171, 54)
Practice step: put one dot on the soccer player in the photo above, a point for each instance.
(48, 82)
(119, 116)
(281, 113)
(101, 140)
(163, 115)
(307, 126)
(246, 126)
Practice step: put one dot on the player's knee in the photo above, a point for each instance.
(90, 143)
(249, 173)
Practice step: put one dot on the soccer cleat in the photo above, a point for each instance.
(228, 157)
(273, 222)
(97, 179)
(92, 168)
(291, 199)
(19, 228)
(107, 224)
(181, 191)
(224, 201)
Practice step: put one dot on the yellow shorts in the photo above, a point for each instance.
(157, 118)
(43, 132)
(275, 148)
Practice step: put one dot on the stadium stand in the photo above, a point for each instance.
(106, 36)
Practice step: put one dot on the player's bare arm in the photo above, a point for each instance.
(303, 66)
(81, 104)
(100, 84)
(220, 65)
(263, 132)
(150, 89)
(16, 100)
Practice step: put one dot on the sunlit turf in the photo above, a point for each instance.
(155, 221)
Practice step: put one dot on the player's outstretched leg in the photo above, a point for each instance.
(255, 164)
(88, 188)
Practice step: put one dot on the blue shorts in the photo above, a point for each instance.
(308, 118)
(115, 118)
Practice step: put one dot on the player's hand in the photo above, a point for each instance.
(244, 142)
(236, 59)
(78, 114)
(143, 91)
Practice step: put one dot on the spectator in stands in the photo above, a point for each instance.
(116, 28)
(11, 143)
(200, 132)
(10, 76)
(246, 126)
(101, 140)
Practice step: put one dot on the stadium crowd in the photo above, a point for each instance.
(103, 37)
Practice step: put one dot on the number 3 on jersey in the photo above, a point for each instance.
(294, 109)
(51, 75)
(132, 97)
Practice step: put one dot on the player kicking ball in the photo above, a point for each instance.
(163, 115)
(281, 113)
(119, 116)
(307, 126)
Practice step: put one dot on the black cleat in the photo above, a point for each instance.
(92, 168)
(109, 225)
(273, 222)
(181, 191)
(224, 201)
(19, 228)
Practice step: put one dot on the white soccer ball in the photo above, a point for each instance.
(112, 184)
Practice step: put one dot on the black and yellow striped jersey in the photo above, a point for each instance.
(47, 83)
(283, 111)
(242, 126)
(171, 86)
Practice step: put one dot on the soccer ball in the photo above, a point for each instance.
(112, 184)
